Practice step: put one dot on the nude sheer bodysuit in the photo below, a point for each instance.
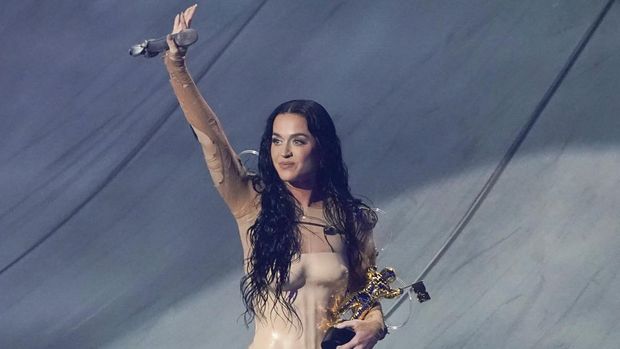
(317, 278)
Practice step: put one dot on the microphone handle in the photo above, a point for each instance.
(152, 47)
(183, 38)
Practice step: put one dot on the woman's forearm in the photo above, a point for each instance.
(228, 174)
(375, 315)
(196, 110)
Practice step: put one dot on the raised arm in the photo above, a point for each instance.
(229, 176)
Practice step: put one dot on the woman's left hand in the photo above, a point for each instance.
(367, 333)
(182, 21)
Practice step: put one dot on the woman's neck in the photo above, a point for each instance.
(306, 195)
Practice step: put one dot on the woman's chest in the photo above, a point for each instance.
(317, 235)
(326, 270)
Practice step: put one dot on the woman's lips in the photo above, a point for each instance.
(286, 164)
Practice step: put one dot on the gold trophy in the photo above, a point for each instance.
(357, 305)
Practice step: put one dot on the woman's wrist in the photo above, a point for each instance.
(381, 329)
(177, 70)
(174, 60)
(382, 333)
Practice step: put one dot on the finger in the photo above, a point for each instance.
(171, 45)
(176, 27)
(349, 345)
(183, 23)
(348, 323)
(189, 14)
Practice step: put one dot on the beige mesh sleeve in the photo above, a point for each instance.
(229, 176)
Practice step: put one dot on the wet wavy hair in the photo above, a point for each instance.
(275, 237)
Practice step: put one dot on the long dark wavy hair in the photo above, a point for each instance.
(275, 237)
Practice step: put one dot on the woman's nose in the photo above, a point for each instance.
(286, 151)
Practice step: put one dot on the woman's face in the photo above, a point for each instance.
(293, 150)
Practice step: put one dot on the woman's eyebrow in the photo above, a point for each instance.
(293, 135)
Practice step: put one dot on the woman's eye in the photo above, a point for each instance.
(275, 141)
(299, 142)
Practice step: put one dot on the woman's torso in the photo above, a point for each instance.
(317, 280)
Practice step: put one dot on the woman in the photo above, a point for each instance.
(306, 240)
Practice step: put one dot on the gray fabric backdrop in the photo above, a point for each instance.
(112, 235)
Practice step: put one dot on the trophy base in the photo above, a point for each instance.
(336, 336)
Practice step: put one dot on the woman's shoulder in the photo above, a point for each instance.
(365, 216)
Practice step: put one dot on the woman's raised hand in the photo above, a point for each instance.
(181, 21)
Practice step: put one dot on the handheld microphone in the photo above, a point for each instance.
(152, 47)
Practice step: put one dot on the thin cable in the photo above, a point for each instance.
(490, 183)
